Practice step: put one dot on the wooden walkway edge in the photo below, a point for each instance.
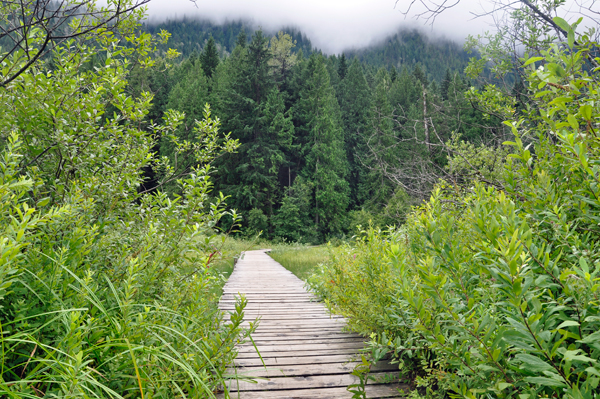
(305, 352)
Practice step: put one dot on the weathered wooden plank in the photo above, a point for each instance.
(265, 349)
(302, 382)
(278, 340)
(298, 353)
(294, 360)
(308, 369)
(373, 392)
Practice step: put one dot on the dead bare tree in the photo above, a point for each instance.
(30, 29)
(412, 155)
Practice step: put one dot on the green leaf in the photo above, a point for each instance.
(573, 356)
(571, 37)
(549, 382)
(567, 323)
(573, 122)
(564, 25)
(43, 202)
(586, 112)
(556, 70)
(532, 363)
(532, 60)
(592, 370)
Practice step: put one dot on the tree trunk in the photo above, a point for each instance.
(425, 124)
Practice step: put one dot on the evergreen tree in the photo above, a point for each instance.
(293, 221)
(343, 67)
(393, 74)
(381, 148)
(420, 75)
(242, 39)
(209, 57)
(355, 100)
(325, 156)
(255, 112)
(445, 85)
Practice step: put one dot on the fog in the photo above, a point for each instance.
(333, 25)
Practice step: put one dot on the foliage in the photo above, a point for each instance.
(106, 291)
(493, 290)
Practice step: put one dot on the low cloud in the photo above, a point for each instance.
(332, 25)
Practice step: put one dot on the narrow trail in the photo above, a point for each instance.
(305, 351)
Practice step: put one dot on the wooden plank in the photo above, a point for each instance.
(277, 340)
(294, 360)
(298, 353)
(265, 349)
(373, 392)
(308, 369)
(302, 382)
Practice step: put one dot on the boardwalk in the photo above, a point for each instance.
(303, 347)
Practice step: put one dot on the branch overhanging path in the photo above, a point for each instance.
(305, 352)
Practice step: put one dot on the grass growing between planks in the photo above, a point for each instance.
(300, 260)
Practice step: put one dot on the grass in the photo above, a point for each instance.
(300, 260)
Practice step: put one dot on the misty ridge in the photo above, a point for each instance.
(407, 46)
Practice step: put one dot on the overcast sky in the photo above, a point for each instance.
(331, 25)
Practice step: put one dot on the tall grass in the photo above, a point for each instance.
(299, 259)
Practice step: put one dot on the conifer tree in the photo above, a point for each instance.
(254, 110)
(393, 74)
(355, 100)
(445, 85)
(325, 156)
(343, 67)
(380, 147)
(209, 57)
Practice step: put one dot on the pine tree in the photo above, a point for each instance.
(242, 39)
(325, 155)
(355, 100)
(393, 74)
(343, 67)
(209, 57)
(445, 85)
(254, 111)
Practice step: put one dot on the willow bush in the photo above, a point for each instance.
(493, 290)
(105, 291)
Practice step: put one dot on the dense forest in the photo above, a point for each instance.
(462, 207)
(324, 140)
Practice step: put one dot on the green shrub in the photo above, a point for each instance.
(493, 291)
(105, 291)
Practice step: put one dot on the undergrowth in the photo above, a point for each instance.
(492, 288)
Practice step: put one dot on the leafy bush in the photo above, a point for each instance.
(105, 291)
(494, 292)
